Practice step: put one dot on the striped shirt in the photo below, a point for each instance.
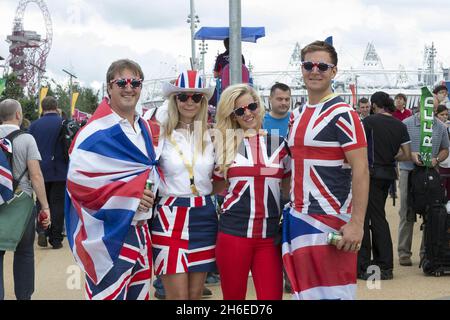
(439, 140)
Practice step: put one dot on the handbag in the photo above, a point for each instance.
(14, 218)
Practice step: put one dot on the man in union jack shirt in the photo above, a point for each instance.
(329, 155)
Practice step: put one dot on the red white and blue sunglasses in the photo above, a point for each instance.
(122, 82)
(322, 66)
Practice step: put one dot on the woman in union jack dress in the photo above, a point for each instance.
(254, 164)
(184, 228)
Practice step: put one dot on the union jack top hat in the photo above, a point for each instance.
(187, 81)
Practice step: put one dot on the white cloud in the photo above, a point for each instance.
(88, 36)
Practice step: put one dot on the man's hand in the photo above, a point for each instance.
(147, 201)
(434, 162)
(415, 157)
(352, 234)
(45, 223)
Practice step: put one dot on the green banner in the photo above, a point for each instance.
(426, 126)
(2, 85)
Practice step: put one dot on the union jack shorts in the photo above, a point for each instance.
(184, 232)
(131, 275)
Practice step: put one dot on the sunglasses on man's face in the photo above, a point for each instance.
(322, 66)
(121, 83)
(241, 110)
(196, 97)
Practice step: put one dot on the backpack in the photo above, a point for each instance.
(7, 150)
(69, 129)
(426, 190)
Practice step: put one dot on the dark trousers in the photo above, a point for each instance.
(377, 235)
(23, 265)
(55, 196)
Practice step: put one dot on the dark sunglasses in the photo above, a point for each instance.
(196, 97)
(121, 83)
(322, 66)
(239, 112)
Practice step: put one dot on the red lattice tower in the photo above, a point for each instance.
(28, 51)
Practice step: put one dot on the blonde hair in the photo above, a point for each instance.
(201, 119)
(227, 126)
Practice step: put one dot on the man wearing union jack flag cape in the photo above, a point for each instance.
(107, 202)
(329, 155)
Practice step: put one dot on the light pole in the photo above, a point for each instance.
(193, 19)
(235, 42)
(203, 47)
(70, 90)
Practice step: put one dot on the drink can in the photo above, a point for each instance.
(333, 238)
(42, 215)
(149, 184)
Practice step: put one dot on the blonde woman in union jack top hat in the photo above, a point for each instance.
(184, 228)
(329, 156)
(252, 164)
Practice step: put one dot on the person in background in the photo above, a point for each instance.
(276, 121)
(46, 131)
(444, 166)
(25, 161)
(363, 108)
(223, 59)
(401, 112)
(388, 141)
(440, 94)
(440, 150)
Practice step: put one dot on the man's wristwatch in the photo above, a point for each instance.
(437, 160)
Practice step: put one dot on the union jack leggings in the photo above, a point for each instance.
(131, 275)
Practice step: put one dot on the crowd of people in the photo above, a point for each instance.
(178, 197)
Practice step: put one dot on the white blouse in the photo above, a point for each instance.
(176, 175)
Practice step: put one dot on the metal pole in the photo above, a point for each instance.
(192, 17)
(70, 91)
(235, 42)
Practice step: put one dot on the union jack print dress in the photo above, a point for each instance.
(184, 228)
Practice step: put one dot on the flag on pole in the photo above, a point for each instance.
(2, 85)
(353, 90)
(42, 95)
(426, 126)
(73, 102)
(329, 40)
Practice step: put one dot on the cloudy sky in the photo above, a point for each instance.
(88, 35)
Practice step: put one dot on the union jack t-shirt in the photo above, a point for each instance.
(251, 208)
(319, 136)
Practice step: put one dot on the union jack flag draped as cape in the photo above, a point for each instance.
(6, 179)
(105, 183)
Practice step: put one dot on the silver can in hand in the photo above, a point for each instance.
(333, 238)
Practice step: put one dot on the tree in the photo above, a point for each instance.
(29, 108)
(13, 89)
(87, 101)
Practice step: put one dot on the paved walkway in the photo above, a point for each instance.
(58, 277)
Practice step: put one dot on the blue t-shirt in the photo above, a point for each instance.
(271, 123)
